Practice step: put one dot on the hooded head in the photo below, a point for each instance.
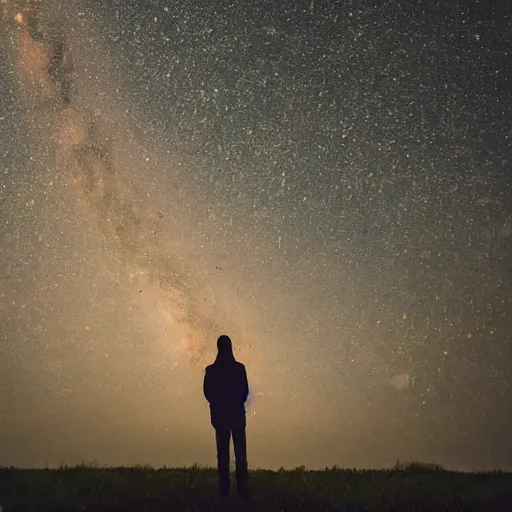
(225, 349)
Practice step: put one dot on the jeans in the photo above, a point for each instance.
(224, 429)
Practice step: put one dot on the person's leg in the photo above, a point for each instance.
(240, 444)
(222, 436)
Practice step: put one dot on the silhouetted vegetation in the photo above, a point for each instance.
(408, 487)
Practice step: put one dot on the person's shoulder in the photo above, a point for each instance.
(240, 365)
(209, 367)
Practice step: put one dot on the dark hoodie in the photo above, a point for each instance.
(225, 384)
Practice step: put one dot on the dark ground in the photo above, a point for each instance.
(415, 487)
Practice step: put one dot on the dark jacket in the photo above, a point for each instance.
(226, 389)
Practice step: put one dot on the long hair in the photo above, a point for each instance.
(224, 349)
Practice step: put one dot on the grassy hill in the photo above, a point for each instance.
(413, 487)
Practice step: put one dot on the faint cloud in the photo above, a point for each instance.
(400, 381)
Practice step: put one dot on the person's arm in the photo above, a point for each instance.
(207, 385)
(245, 387)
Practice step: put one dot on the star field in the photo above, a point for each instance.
(328, 183)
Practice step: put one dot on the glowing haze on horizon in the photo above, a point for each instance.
(329, 185)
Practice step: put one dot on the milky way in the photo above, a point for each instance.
(328, 185)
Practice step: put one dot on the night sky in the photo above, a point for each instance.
(329, 183)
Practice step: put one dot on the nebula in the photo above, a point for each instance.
(87, 154)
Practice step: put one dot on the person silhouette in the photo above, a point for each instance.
(226, 389)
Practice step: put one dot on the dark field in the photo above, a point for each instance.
(415, 487)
